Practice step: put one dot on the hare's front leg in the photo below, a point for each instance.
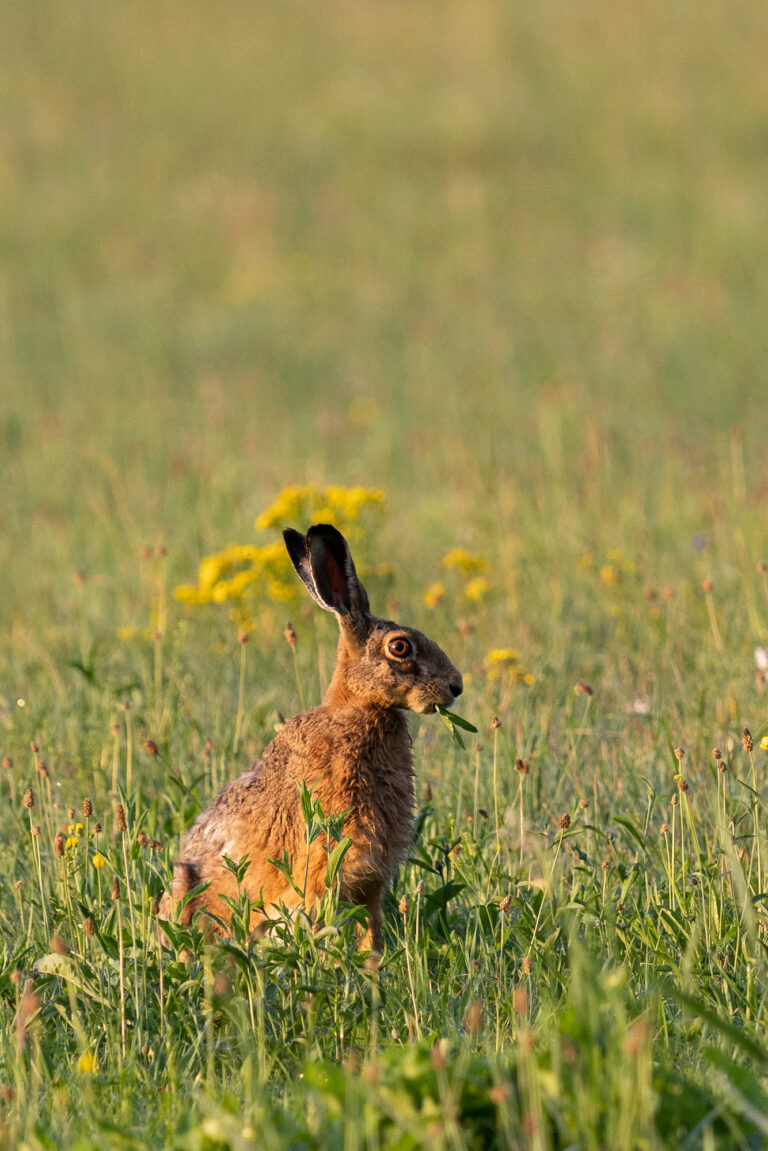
(370, 940)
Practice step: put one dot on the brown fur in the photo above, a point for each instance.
(354, 751)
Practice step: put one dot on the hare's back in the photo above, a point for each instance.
(237, 821)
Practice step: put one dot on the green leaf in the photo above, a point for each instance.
(335, 859)
(631, 828)
(724, 1026)
(438, 900)
(65, 967)
(456, 720)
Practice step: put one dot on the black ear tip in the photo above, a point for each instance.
(296, 545)
(325, 530)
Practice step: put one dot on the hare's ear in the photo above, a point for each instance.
(323, 561)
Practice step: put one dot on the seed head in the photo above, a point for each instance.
(520, 1001)
(679, 754)
(683, 785)
(762, 567)
(583, 803)
(242, 636)
(473, 1020)
(722, 767)
(70, 813)
(505, 903)
(290, 634)
(89, 926)
(115, 888)
(97, 829)
(564, 822)
(122, 824)
(707, 587)
(58, 844)
(495, 723)
(7, 761)
(522, 766)
(404, 905)
(35, 829)
(747, 741)
(150, 746)
(59, 945)
(141, 839)
(420, 887)
(34, 747)
(673, 800)
(42, 768)
(87, 808)
(29, 798)
(664, 829)
(717, 754)
(582, 688)
(527, 965)
(115, 729)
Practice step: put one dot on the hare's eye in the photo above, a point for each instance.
(399, 648)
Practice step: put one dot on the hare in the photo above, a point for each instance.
(353, 751)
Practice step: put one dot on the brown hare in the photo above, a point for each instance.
(353, 752)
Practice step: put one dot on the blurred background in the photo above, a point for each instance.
(492, 258)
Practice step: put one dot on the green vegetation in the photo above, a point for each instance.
(505, 264)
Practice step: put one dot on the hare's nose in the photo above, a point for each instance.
(457, 689)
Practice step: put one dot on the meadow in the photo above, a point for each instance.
(503, 266)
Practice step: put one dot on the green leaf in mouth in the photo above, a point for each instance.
(452, 722)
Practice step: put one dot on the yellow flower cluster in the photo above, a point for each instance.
(465, 561)
(504, 663)
(469, 566)
(245, 572)
(434, 594)
(329, 505)
(615, 567)
(229, 574)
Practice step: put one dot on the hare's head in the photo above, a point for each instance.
(380, 663)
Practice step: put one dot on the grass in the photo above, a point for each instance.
(507, 266)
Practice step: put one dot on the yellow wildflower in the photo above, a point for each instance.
(363, 412)
(280, 592)
(529, 678)
(615, 556)
(501, 655)
(586, 560)
(434, 594)
(476, 589)
(465, 561)
(247, 571)
(86, 1064)
(71, 841)
(764, 743)
(608, 574)
(98, 860)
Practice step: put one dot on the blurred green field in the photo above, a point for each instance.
(508, 264)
